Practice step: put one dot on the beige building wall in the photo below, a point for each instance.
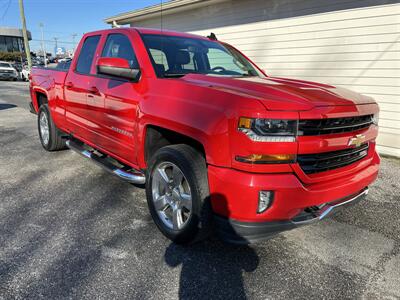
(354, 44)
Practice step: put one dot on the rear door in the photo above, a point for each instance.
(77, 85)
(114, 127)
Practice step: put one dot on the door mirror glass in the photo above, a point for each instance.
(117, 67)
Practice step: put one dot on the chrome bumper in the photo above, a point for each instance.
(328, 208)
(238, 232)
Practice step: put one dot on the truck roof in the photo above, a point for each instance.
(167, 32)
(142, 30)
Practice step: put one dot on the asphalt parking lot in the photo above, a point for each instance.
(70, 230)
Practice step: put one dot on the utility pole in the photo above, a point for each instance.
(43, 47)
(24, 32)
(56, 39)
(73, 43)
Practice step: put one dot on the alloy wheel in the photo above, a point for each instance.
(172, 197)
(44, 128)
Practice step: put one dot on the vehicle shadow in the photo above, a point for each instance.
(4, 106)
(212, 269)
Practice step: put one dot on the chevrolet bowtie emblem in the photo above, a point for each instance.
(357, 140)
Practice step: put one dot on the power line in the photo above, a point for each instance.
(5, 12)
(52, 41)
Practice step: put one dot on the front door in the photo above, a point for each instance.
(114, 126)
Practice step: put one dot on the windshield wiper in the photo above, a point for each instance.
(248, 75)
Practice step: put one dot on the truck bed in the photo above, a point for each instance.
(47, 80)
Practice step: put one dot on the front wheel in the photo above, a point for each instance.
(50, 136)
(178, 194)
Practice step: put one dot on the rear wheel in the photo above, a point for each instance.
(178, 195)
(50, 136)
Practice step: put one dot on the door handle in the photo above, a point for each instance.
(94, 90)
(69, 85)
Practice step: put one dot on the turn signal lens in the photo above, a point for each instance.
(267, 158)
(245, 123)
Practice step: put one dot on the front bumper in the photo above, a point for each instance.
(237, 232)
(234, 198)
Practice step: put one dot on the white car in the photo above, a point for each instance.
(7, 71)
(25, 73)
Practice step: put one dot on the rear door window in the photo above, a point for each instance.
(86, 55)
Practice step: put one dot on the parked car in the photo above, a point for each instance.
(52, 60)
(217, 143)
(7, 71)
(64, 64)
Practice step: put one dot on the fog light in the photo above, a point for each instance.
(265, 199)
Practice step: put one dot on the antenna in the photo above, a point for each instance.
(212, 36)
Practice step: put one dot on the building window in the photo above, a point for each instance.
(21, 45)
(15, 44)
(9, 44)
(3, 47)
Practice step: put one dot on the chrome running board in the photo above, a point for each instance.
(124, 172)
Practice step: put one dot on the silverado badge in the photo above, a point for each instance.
(357, 140)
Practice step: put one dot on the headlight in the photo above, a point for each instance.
(268, 130)
(375, 118)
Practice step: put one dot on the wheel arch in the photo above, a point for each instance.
(39, 97)
(156, 137)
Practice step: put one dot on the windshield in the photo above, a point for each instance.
(5, 65)
(174, 56)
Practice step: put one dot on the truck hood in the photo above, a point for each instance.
(281, 93)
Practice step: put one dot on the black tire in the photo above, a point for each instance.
(193, 166)
(55, 141)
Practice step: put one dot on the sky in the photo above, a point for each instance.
(63, 18)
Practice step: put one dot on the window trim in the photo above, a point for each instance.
(99, 51)
(79, 54)
(259, 71)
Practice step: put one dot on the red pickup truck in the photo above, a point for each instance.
(217, 143)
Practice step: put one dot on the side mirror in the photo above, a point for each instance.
(117, 67)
